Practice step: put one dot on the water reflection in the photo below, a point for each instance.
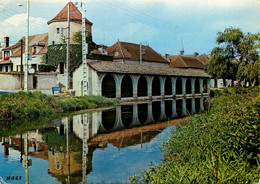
(65, 148)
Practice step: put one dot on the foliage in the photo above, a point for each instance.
(46, 68)
(215, 92)
(236, 56)
(220, 146)
(30, 105)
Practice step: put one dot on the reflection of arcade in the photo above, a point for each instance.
(72, 141)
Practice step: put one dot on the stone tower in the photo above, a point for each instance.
(57, 26)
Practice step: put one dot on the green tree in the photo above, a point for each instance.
(236, 57)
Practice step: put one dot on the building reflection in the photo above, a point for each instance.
(69, 143)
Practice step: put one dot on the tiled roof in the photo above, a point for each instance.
(131, 51)
(4, 62)
(123, 68)
(12, 47)
(186, 62)
(75, 14)
(204, 58)
(33, 40)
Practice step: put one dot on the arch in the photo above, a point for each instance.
(197, 104)
(197, 86)
(156, 110)
(188, 86)
(168, 86)
(178, 86)
(109, 119)
(127, 115)
(168, 108)
(204, 85)
(108, 86)
(142, 86)
(142, 113)
(179, 107)
(188, 105)
(126, 87)
(156, 87)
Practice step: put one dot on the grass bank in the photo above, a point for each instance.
(218, 146)
(30, 105)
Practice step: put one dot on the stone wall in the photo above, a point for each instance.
(42, 81)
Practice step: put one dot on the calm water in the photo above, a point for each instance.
(96, 147)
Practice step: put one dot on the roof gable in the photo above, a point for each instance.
(75, 14)
(125, 50)
(186, 62)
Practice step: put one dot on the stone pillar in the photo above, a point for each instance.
(150, 113)
(135, 79)
(201, 85)
(149, 85)
(119, 124)
(118, 80)
(174, 110)
(192, 80)
(136, 121)
(100, 80)
(162, 85)
(208, 85)
(163, 115)
(184, 110)
(201, 105)
(173, 79)
(183, 80)
(193, 107)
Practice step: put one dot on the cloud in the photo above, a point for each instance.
(15, 26)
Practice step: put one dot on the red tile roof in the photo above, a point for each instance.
(185, 62)
(131, 51)
(204, 58)
(41, 39)
(75, 14)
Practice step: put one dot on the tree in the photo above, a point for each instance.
(236, 57)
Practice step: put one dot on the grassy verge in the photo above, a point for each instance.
(219, 146)
(30, 105)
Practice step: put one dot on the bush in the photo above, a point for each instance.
(220, 146)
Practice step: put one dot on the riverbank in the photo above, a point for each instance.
(31, 105)
(218, 146)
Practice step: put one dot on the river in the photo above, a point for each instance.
(101, 146)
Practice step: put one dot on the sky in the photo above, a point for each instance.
(164, 25)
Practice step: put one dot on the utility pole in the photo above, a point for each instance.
(21, 67)
(68, 49)
(141, 52)
(26, 48)
(84, 51)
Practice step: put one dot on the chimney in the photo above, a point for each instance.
(6, 42)
(195, 54)
(166, 56)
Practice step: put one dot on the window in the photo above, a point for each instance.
(58, 30)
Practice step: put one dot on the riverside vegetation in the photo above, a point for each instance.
(31, 105)
(218, 146)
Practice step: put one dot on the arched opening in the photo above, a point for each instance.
(168, 108)
(109, 86)
(126, 87)
(188, 86)
(168, 86)
(127, 115)
(178, 86)
(109, 119)
(197, 104)
(188, 106)
(197, 86)
(142, 112)
(179, 107)
(204, 85)
(156, 88)
(142, 86)
(156, 109)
